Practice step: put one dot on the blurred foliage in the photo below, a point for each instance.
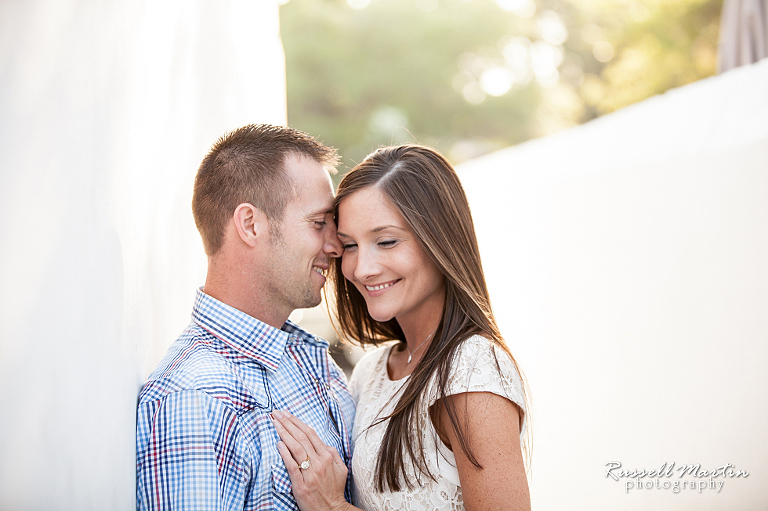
(472, 76)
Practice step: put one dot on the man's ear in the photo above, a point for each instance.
(251, 224)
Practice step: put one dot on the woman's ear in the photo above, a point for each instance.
(251, 224)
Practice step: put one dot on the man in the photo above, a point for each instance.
(204, 440)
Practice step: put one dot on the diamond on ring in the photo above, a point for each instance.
(305, 464)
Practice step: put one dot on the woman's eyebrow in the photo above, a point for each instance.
(377, 229)
(374, 230)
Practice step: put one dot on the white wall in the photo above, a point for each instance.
(106, 110)
(627, 266)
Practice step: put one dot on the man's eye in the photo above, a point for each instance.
(319, 224)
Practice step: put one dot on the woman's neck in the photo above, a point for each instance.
(418, 325)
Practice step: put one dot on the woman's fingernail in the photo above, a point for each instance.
(277, 414)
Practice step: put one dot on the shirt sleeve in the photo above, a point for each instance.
(189, 455)
(481, 366)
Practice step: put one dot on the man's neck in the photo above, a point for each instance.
(238, 291)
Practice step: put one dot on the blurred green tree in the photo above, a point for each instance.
(472, 76)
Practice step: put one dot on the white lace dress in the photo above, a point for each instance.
(373, 391)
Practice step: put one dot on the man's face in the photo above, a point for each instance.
(305, 240)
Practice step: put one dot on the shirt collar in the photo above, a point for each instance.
(246, 334)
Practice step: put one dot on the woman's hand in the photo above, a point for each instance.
(319, 486)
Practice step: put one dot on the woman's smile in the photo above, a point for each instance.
(378, 289)
(385, 260)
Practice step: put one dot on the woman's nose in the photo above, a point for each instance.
(367, 265)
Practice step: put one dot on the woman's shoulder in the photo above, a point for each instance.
(482, 365)
(478, 348)
(371, 358)
(476, 343)
(366, 368)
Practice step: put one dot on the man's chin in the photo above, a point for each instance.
(311, 301)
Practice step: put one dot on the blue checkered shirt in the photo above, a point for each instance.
(204, 439)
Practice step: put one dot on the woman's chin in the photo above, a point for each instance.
(380, 316)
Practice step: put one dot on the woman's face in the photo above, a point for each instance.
(384, 260)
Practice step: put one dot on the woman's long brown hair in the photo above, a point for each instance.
(426, 191)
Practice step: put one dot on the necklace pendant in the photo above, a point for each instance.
(409, 359)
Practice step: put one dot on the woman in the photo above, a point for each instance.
(439, 414)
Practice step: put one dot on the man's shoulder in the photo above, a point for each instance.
(194, 363)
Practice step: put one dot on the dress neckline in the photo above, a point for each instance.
(386, 368)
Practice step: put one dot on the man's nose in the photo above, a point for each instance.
(332, 244)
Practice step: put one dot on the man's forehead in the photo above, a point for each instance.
(300, 168)
(312, 189)
(295, 162)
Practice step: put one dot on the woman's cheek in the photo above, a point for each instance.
(347, 266)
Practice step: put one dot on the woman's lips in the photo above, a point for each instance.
(377, 289)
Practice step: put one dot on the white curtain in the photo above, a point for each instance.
(106, 110)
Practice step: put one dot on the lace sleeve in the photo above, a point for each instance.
(480, 366)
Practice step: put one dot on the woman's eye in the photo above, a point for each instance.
(387, 243)
(349, 246)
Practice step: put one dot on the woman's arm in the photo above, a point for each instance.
(320, 486)
(493, 433)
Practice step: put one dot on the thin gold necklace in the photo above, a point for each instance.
(410, 353)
